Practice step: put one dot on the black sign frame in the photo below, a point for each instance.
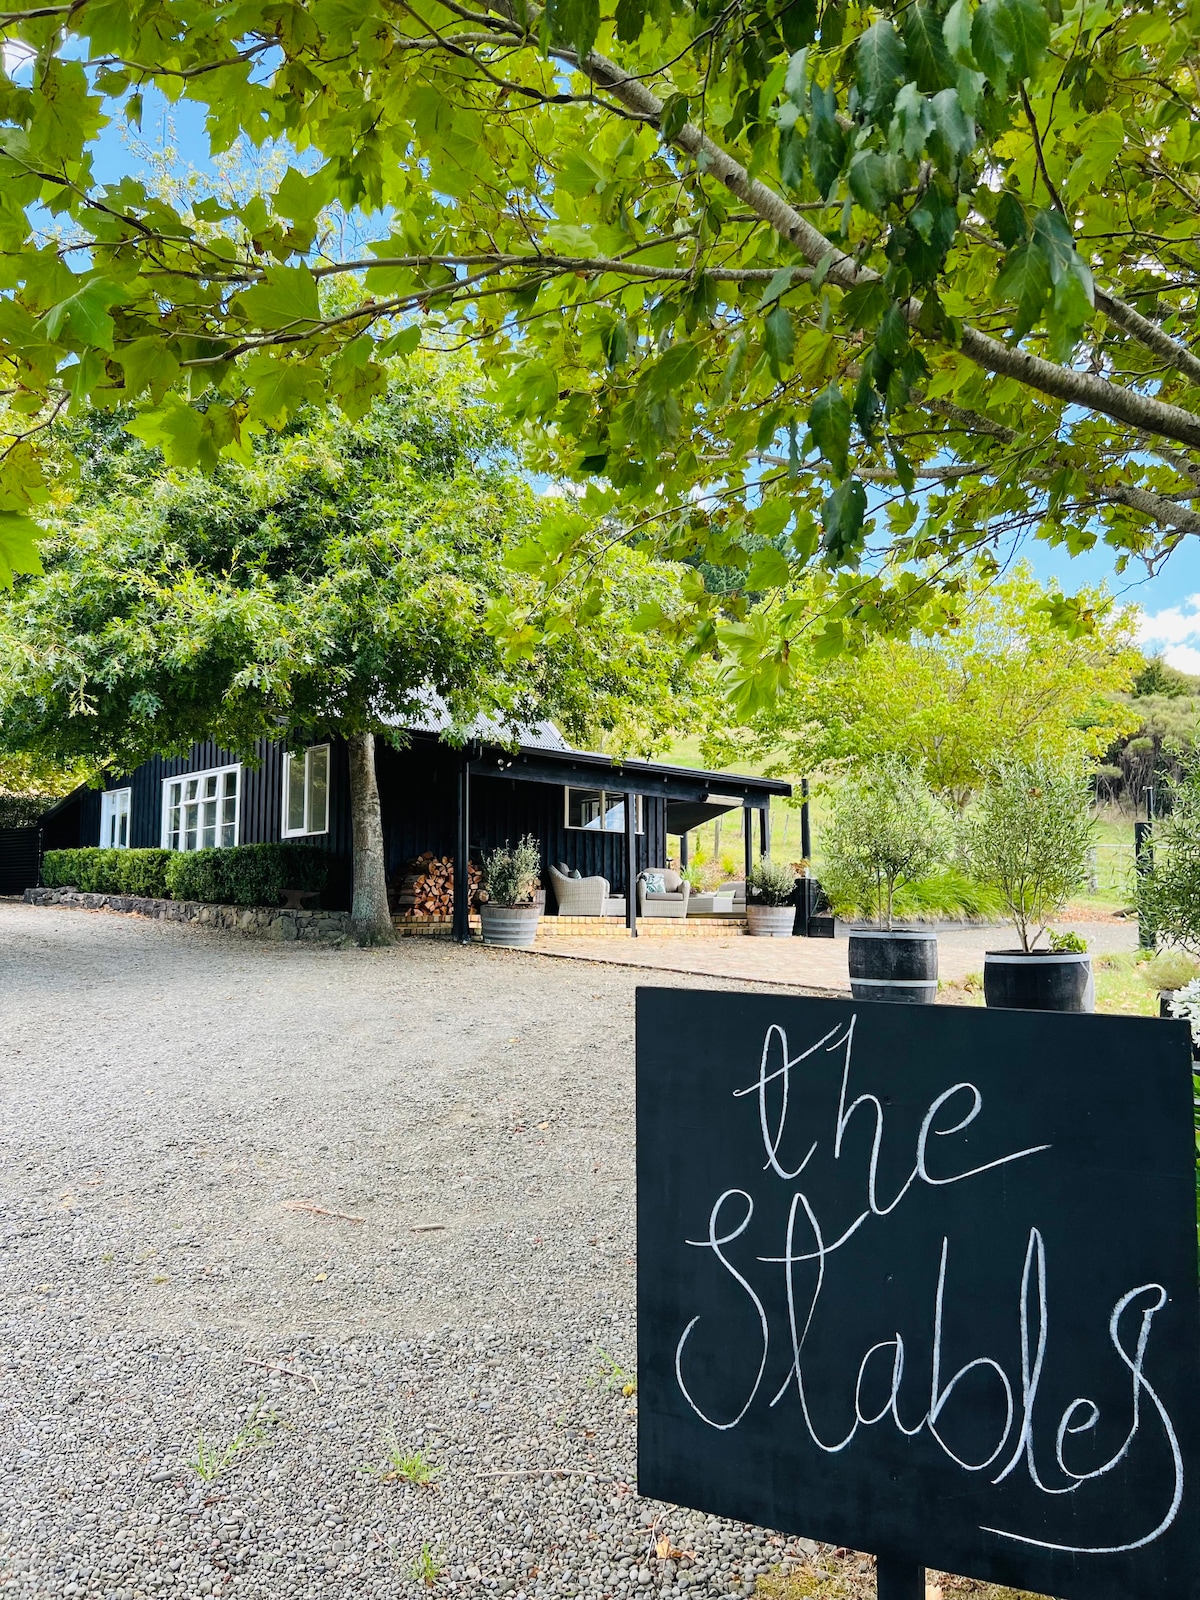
(1023, 1274)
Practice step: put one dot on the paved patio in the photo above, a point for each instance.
(815, 964)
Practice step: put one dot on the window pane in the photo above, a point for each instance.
(191, 789)
(614, 813)
(318, 789)
(295, 794)
(585, 808)
(123, 830)
(190, 818)
(210, 785)
(227, 835)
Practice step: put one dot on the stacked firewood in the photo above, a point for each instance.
(426, 891)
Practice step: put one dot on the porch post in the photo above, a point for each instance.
(764, 830)
(462, 851)
(683, 849)
(748, 840)
(631, 864)
(805, 823)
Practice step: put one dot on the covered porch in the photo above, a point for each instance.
(601, 816)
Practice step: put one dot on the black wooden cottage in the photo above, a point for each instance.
(596, 814)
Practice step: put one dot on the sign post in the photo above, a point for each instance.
(923, 1282)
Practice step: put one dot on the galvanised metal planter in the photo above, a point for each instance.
(894, 964)
(515, 926)
(1038, 980)
(770, 922)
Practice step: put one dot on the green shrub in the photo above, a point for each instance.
(107, 871)
(143, 872)
(23, 810)
(771, 883)
(60, 868)
(1171, 969)
(886, 831)
(246, 874)
(1030, 837)
(512, 874)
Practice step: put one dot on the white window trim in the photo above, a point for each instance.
(203, 772)
(617, 794)
(107, 805)
(306, 832)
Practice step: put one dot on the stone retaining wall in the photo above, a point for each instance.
(251, 922)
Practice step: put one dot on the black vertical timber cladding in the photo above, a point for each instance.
(417, 796)
(20, 859)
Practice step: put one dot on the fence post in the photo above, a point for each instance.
(1143, 865)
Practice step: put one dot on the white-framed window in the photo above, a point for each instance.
(200, 809)
(600, 811)
(114, 819)
(306, 791)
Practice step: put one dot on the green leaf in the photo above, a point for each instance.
(175, 428)
(574, 22)
(992, 44)
(737, 357)
(912, 121)
(779, 339)
(1025, 281)
(286, 298)
(148, 363)
(1029, 31)
(84, 314)
(301, 197)
(929, 59)
(1009, 221)
(956, 32)
(842, 516)
(826, 138)
(954, 131)
(769, 569)
(880, 64)
(19, 537)
(829, 420)
(279, 386)
(782, 280)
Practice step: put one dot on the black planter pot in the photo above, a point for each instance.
(896, 964)
(1039, 980)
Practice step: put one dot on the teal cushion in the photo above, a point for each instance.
(655, 883)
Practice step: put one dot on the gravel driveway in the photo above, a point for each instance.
(174, 1106)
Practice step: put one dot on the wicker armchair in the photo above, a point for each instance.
(672, 903)
(579, 897)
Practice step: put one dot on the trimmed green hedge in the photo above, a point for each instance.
(108, 871)
(246, 875)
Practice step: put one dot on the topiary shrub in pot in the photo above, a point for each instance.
(886, 830)
(512, 876)
(1030, 837)
(770, 901)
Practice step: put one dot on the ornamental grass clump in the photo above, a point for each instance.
(513, 874)
(1029, 838)
(886, 830)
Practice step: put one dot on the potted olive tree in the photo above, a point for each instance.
(512, 875)
(770, 901)
(886, 830)
(1029, 838)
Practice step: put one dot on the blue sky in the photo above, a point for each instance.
(1169, 601)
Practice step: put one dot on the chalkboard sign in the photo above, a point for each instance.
(922, 1281)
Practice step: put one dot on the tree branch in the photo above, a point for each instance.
(1045, 377)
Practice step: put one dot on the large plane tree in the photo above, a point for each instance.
(862, 280)
(327, 584)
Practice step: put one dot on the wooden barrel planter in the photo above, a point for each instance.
(894, 964)
(515, 926)
(770, 922)
(1038, 980)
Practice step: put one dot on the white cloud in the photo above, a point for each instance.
(1175, 632)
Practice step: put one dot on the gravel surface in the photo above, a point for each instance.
(174, 1106)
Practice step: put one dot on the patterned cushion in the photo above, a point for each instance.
(575, 873)
(655, 883)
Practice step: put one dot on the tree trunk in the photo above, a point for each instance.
(369, 909)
